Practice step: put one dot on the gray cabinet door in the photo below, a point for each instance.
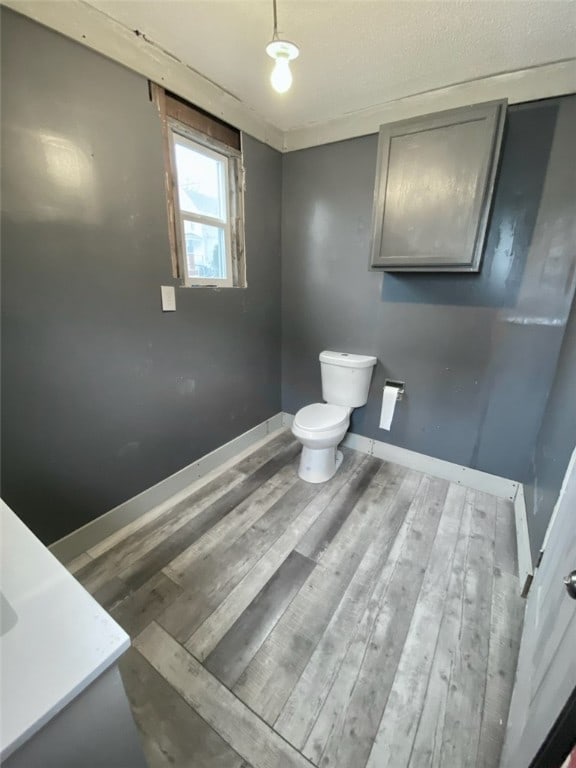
(434, 182)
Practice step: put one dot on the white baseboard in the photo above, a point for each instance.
(169, 491)
(525, 565)
(163, 493)
(455, 473)
(471, 478)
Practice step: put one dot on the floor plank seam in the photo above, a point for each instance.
(238, 699)
(445, 488)
(267, 636)
(482, 720)
(236, 536)
(312, 501)
(438, 639)
(372, 624)
(460, 628)
(341, 600)
(180, 696)
(248, 573)
(383, 598)
(347, 584)
(485, 685)
(244, 494)
(490, 642)
(260, 559)
(471, 497)
(168, 576)
(111, 559)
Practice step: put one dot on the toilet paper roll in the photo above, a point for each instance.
(389, 398)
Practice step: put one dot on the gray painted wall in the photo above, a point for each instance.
(556, 440)
(103, 394)
(477, 352)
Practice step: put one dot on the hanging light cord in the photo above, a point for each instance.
(275, 35)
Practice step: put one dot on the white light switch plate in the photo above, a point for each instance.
(168, 298)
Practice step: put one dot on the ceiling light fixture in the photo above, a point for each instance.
(282, 51)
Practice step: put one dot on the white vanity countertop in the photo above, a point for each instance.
(55, 638)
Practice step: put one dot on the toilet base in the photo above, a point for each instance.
(317, 465)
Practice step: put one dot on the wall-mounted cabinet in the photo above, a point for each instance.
(434, 183)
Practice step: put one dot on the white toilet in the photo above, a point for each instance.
(321, 427)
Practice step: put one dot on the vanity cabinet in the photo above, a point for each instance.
(62, 701)
(434, 182)
(96, 730)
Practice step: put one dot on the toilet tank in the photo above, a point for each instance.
(346, 378)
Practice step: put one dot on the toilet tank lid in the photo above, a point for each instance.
(347, 360)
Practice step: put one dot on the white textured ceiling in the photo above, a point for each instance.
(355, 54)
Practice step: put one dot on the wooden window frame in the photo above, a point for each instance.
(210, 136)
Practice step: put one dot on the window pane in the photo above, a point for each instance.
(205, 250)
(201, 186)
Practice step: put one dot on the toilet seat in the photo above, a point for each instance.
(320, 428)
(320, 417)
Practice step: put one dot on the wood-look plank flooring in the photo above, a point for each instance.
(372, 621)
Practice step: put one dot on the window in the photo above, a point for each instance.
(204, 185)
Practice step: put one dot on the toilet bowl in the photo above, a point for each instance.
(320, 428)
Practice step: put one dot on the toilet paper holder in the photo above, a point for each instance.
(398, 384)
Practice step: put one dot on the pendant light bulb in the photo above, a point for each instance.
(281, 77)
(282, 51)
